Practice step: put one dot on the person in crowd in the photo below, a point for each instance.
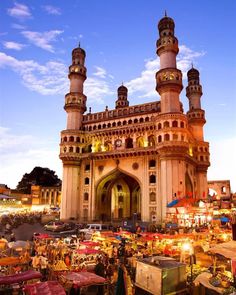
(100, 271)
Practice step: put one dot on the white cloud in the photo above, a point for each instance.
(48, 79)
(18, 27)
(43, 39)
(13, 45)
(223, 161)
(52, 9)
(145, 84)
(20, 11)
(100, 72)
(51, 78)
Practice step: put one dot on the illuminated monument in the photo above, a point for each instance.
(134, 159)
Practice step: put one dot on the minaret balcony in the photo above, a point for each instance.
(169, 78)
(168, 43)
(75, 100)
(77, 70)
(196, 116)
(193, 89)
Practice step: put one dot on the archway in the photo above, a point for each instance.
(117, 197)
(188, 186)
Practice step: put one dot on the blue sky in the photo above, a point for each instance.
(119, 37)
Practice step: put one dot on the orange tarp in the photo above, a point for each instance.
(9, 261)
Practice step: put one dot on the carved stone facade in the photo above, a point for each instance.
(134, 159)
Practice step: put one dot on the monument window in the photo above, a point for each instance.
(152, 179)
(70, 149)
(130, 122)
(223, 190)
(129, 143)
(152, 163)
(182, 124)
(71, 138)
(86, 181)
(152, 197)
(87, 167)
(124, 122)
(147, 119)
(86, 197)
(166, 124)
(65, 139)
(167, 137)
(77, 150)
(141, 120)
(77, 139)
(159, 126)
(174, 124)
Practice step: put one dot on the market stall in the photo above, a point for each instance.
(45, 288)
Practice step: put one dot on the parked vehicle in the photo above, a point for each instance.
(93, 227)
(55, 226)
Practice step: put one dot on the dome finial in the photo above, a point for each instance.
(79, 44)
(122, 83)
(165, 13)
(192, 65)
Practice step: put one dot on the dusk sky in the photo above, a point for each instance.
(119, 36)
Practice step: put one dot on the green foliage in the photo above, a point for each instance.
(38, 176)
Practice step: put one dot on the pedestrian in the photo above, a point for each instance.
(100, 271)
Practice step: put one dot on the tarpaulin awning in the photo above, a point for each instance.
(172, 203)
(84, 278)
(24, 276)
(45, 288)
(227, 249)
(90, 243)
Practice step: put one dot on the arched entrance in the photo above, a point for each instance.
(117, 197)
(188, 186)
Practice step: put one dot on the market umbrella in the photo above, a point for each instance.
(19, 245)
(88, 251)
(90, 243)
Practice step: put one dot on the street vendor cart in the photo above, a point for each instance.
(161, 276)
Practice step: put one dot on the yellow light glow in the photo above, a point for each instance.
(190, 151)
(145, 143)
(186, 247)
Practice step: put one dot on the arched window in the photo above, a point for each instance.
(71, 138)
(175, 137)
(87, 167)
(65, 139)
(140, 142)
(135, 120)
(166, 124)
(159, 138)
(152, 197)
(129, 143)
(159, 126)
(124, 122)
(94, 127)
(130, 122)
(152, 163)
(77, 139)
(174, 124)
(182, 124)
(104, 126)
(166, 137)
(151, 140)
(141, 120)
(86, 197)
(147, 119)
(70, 149)
(86, 181)
(223, 190)
(77, 150)
(99, 126)
(152, 179)
(114, 124)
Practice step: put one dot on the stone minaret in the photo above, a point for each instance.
(196, 116)
(75, 106)
(168, 78)
(196, 121)
(122, 101)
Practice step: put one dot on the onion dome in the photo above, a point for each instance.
(78, 50)
(193, 74)
(166, 23)
(122, 90)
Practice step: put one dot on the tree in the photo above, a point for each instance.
(38, 176)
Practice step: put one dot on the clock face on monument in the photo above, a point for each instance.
(118, 143)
